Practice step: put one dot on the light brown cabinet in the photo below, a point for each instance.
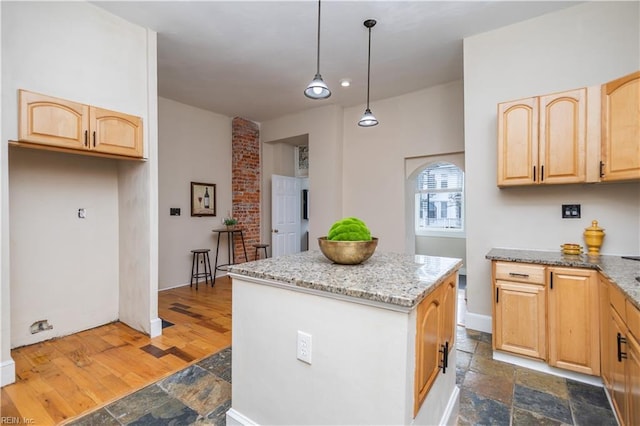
(542, 140)
(574, 330)
(620, 155)
(58, 124)
(435, 331)
(621, 354)
(520, 309)
(547, 313)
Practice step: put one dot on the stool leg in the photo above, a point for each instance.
(265, 252)
(205, 269)
(197, 269)
(256, 254)
(193, 264)
(215, 269)
(246, 259)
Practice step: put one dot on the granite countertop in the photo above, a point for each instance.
(622, 272)
(395, 278)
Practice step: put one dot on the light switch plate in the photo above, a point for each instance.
(571, 211)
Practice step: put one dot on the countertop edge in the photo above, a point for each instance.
(608, 265)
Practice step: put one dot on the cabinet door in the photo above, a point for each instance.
(633, 381)
(607, 342)
(621, 128)
(562, 139)
(518, 142)
(574, 329)
(449, 303)
(51, 121)
(520, 318)
(116, 133)
(428, 340)
(617, 388)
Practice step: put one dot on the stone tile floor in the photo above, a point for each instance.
(492, 393)
(199, 394)
(497, 393)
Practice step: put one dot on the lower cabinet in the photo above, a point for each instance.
(520, 309)
(520, 319)
(547, 313)
(436, 328)
(621, 355)
(574, 331)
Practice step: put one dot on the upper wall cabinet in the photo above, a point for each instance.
(58, 124)
(542, 140)
(621, 129)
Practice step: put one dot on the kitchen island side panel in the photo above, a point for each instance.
(361, 370)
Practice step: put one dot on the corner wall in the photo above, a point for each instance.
(584, 45)
(194, 146)
(423, 123)
(324, 128)
(76, 281)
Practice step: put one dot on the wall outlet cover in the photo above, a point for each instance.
(571, 211)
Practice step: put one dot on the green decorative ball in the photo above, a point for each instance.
(349, 229)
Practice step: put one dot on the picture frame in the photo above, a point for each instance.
(301, 160)
(203, 199)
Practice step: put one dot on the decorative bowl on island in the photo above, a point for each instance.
(347, 252)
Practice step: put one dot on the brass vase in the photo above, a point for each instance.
(593, 237)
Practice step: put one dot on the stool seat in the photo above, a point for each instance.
(261, 246)
(197, 255)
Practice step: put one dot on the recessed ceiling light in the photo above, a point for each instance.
(345, 82)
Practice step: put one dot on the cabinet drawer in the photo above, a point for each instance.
(633, 319)
(521, 272)
(617, 300)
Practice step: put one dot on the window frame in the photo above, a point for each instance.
(439, 232)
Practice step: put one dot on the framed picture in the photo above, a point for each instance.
(203, 199)
(301, 160)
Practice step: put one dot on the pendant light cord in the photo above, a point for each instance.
(369, 68)
(318, 56)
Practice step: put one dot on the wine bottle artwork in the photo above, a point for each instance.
(206, 198)
(203, 198)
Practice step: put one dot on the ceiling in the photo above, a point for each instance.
(253, 59)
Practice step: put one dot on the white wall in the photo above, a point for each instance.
(584, 45)
(79, 52)
(324, 128)
(423, 123)
(63, 269)
(194, 146)
(372, 359)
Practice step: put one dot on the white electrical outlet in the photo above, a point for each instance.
(304, 347)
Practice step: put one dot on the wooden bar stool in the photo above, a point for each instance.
(200, 254)
(259, 247)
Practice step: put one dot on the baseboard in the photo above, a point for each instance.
(156, 328)
(543, 367)
(202, 282)
(450, 415)
(235, 418)
(7, 372)
(478, 322)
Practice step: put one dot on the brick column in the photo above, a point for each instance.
(245, 183)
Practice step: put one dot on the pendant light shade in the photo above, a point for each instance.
(317, 89)
(368, 119)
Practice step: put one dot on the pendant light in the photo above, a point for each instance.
(368, 119)
(317, 89)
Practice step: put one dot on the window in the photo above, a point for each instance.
(440, 199)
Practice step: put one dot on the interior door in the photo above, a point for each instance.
(285, 215)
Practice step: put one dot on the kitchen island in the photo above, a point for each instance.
(319, 343)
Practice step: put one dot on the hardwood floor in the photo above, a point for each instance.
(65, 377)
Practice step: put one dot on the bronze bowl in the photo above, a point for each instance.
(347, 252)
